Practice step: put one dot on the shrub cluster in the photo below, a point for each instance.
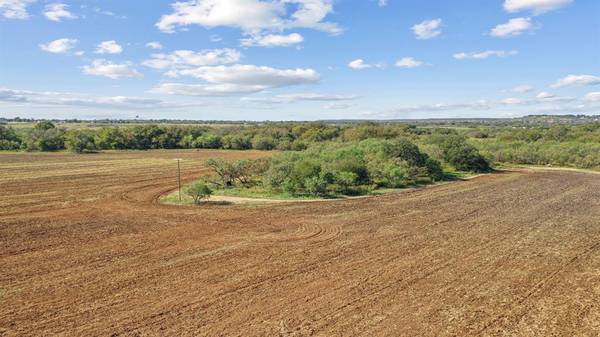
(333, 169)
(466, 146)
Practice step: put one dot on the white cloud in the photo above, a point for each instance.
(57, 12)
(408, 62)
(337, 106)
(513, 27)
(511, 101)
(236, 79)
(109, 47)
(111, 70)
(592, 96)
(296, 97)
(272, 40)
(15, 9)
(576, 80)
(427, 29)
(154, 45)
(523, 88)
(544, 95)
(507, 103)
(536, 6)
(187, 58)
(541, 98)
(484, 54)
(226, 89)
(80, 53)
(359, 64)
(59, 46)
(251, 16)
(253, 75)
(85, 100)
(382, 3)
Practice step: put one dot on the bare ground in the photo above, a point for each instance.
(86, 249)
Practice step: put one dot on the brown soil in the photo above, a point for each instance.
(87, 250)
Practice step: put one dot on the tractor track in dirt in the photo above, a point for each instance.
(88, 250)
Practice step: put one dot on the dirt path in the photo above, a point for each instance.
(87, 251)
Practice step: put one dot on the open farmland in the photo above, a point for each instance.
(87, 250)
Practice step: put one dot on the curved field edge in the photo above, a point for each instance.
(87, 251)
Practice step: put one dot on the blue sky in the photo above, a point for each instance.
(298, 59)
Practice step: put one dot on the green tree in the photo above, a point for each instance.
(199, 191)
(80, 141)
(462, 155)
(45, 139)
(44, 125)
(9, 140)
(207, 141)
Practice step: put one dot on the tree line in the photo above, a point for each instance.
(465, 146)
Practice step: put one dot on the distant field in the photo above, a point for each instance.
(87, 249)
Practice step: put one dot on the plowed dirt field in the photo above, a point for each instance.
(86, 250)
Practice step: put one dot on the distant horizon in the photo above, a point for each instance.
(215, 121)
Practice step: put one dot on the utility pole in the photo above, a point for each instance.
(179, 178)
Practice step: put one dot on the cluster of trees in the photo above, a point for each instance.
(570, 154)
(468, 146)
(334, 169)
(45, 136)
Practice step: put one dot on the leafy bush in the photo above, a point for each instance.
(9, 139)
(347, 168)
(80, 141)
(242, 172)
(207, 141)
(462, 155)
(199, 191)
(45, 137)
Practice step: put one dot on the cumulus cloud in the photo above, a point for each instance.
(84, 100)
(111, 70)
(59, 46)
(187, 58)
(296, 97)
(109, 47)
(253, 75)
(360, 64)
(427, 29)
(272, 40)
(154, 45)
(251, 16)
(484, 54)
(511, 101)
(523, 88)
(544, 95)
(592, 97)
(15, 9)
(513, 27)
(481, 105)
(408, 62)
(236, 79)
(57, 11)
(227, 89)
(535, 6)
(576, 80)
(337, 106)
(541, 98)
